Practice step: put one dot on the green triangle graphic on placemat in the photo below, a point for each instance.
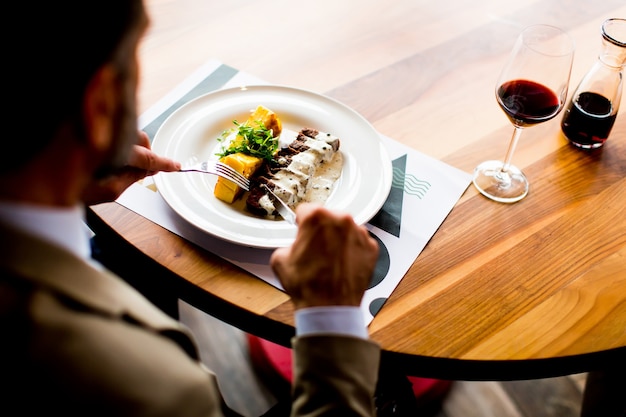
(389, 218)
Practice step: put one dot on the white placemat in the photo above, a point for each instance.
(423, 192)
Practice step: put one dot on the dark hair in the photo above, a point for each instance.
(53, 53)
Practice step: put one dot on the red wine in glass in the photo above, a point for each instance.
(527, 102)
(531, 89)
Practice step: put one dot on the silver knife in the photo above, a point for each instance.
(283, 209)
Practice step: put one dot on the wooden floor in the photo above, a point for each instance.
(225, 350)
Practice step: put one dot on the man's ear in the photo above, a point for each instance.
(99, 107)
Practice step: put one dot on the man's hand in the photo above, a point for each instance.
(330, 262)
(142, 163)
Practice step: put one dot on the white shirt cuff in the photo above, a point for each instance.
(343, 320)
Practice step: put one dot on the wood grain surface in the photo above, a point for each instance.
(531, 289)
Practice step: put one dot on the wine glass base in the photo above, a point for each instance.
(504, 187)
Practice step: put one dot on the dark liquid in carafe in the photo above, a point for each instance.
(588, 119)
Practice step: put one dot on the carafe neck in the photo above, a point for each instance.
(613, 52)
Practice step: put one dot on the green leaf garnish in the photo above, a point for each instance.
(255, 140)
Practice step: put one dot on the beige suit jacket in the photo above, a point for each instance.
(78, 340)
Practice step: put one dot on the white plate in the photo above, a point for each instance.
(190, 135)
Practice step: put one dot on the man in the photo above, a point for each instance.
(77, 340)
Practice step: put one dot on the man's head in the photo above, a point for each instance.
(75, 76)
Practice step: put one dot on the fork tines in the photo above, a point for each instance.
(231, 174)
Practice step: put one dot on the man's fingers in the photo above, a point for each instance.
(144, 140)
(143, 158)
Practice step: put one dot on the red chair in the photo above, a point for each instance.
(273, 361)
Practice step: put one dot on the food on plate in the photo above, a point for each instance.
(304, 168)
(246, 165)
(258, 136)
(255, 140)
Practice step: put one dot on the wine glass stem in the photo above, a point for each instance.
(512, 145)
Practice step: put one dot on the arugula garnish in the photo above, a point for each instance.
(251, 140)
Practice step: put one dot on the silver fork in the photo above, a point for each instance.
(220, 169)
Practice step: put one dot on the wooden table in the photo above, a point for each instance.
(502, 291)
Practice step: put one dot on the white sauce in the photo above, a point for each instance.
(322, 182)
(310, 176)
(266, 204)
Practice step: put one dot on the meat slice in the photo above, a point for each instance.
(289, 173)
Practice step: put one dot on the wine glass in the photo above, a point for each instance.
(531, 89)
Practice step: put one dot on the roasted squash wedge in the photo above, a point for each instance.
(244, 163)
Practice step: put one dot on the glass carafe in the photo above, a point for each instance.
(591, 113)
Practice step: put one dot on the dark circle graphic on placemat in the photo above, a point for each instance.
(376, 305)
(382, 264)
